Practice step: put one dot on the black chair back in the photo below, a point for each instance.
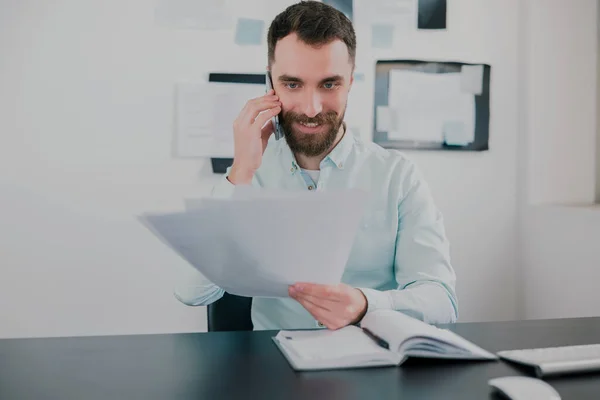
(230, 313)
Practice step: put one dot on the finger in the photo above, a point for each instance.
(340, 314)
(250, 104)
(331, 292)
(267, 130)
(330, 305)
(256, 106)
(337, 323)
(262, 119)
(314, 301)
(314, 306)
(318, 312)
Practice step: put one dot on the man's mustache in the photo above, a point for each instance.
(329, 117)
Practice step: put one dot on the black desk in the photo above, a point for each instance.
(248, 365)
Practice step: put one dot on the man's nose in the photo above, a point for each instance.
(312, 104)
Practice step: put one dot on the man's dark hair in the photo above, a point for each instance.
(315, 23)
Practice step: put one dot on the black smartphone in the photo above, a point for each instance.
(277, 130)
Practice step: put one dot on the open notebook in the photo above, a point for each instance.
(385, 338)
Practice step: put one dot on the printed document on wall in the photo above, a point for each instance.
(401, 14)
(193, 14)
(264, 10)
(430, 107)
(205, 114)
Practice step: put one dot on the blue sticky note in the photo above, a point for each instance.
(382, 36)
(249, 32)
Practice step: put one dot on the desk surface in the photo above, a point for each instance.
(248, 365)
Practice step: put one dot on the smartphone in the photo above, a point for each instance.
(277, 130)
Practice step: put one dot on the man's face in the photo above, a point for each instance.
(312, 84)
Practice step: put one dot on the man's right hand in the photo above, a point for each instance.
(251, 131)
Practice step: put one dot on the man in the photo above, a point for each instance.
(400, 259)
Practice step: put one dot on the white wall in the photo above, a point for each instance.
(598, 107)
(477, 191)
(562, 262)
(561, 100)
(86, 120)
(561, 242)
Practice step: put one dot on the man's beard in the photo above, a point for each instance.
(313, 144)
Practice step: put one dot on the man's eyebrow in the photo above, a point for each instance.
(288, 78)
(333, 78)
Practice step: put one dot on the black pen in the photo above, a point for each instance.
(377, 339)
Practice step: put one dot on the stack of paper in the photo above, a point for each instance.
(259, 242)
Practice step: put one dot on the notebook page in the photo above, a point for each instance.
(399, 329)
(394, 327)
(349, 341)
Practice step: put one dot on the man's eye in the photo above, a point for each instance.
(329, 85)
(292, 85)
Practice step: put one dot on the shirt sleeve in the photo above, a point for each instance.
(425, 277)
(224, 188)
(195, 289)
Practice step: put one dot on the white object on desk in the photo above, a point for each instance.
(385, 338)
(524, 388)
(557, 360)
(255, 245)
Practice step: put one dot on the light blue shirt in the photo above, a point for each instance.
(400, 259)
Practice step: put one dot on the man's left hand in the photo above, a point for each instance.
(335, 306)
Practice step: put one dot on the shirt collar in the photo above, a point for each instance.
(337, 155)
(340, 152)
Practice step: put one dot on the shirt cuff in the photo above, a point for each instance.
(224, 189)
(376, 299)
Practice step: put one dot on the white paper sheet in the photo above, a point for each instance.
(471, 79)
(193, 14)
(357, 107)
(257, 246)
(402, 14)
(265, 10)
(426, 104)
(385, 121)
(382, 36)
(205, 114)
(249, 32)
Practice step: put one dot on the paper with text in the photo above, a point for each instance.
(471, 79)
(193, 14)
(401, 14)
(257, 246)
(427, 104)
(265, 10)
(205, 113)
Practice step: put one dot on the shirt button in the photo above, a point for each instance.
(310, 187)
(292, 169)
(320, 325)
(340, 165)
